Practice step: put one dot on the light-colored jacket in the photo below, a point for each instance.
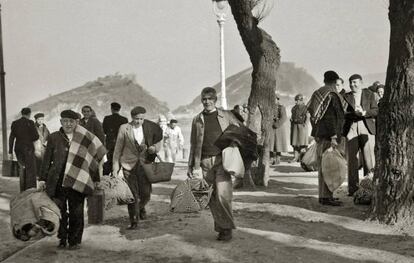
(225, 118)
(126, 151)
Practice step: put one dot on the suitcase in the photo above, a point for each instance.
(96, 207)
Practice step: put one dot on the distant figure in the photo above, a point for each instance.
(173, 141)
(163, 123)
(238, 112)
(360, 130)
(278, 137)
(91, 123)
(298, 130)
(24, 132)
(138, 142)
(326, 108)
(43, 132)
(70, 170)
(340, 86)
(111, 124)
(380, 92)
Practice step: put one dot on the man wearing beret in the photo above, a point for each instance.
(205, 160)
(111, 124)
(43, 132)
(91, 123)
(326, 108)
(23, 131)
(359, 129)
(137, 142)
(71, 166)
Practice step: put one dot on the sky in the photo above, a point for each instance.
(172, 46)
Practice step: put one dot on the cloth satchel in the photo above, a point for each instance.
(233, 162)
(116, 191)
(309, 161)
(158, 172)
(334, 168)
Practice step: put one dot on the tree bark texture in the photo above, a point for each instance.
(394, 172)
(265, 58)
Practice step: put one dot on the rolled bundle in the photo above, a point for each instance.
(33, 213)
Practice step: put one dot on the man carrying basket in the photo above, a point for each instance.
(137, 143)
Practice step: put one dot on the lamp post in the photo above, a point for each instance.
(3, 96)
(220, 8)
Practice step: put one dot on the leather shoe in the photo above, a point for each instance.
(133, 226)
(330, 201)
(74, 247)
(225, 235)
(62, 244)
(142, 214)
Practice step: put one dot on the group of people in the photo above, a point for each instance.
(346, 121)
(72, 159)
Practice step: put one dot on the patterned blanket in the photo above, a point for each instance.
(82, 165)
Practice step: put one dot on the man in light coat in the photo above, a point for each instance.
(359, 128)
(138, 142)
(205, 160)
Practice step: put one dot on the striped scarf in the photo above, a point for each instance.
(82, 165)
(319, 102)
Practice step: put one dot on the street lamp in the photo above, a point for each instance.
(220, 8)
(3, 97)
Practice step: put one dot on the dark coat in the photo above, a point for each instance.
(54, 161)
(110, 125)
(24, 132)
(94, 125)
(332, 122)
(43, 133)
(368, 104)
(298, 128)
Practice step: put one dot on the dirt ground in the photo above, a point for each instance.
(281, 223)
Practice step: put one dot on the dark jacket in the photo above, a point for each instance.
(368, 103)
(94, 125)
(54, 161)
(24, 132)
(110, 125)
(332, 122)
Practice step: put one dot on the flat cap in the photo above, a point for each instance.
(26, 111)
(115, 106)
(39, 115)
(138, 110)
(70, 114)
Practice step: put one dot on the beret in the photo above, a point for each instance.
(330, 76)
(70, 114)
(173, 121)
(355, 76)
(26, 111)
(39, 115)
(115, 106)
(138, 110)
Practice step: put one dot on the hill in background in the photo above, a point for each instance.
(99, 94)
(291, 80)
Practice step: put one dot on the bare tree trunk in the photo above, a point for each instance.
(394, 174)
(265, 58)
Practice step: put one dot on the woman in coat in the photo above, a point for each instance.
(298, 130)
(278, 137)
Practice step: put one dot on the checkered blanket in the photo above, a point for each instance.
(319, 102)
(82, 165)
